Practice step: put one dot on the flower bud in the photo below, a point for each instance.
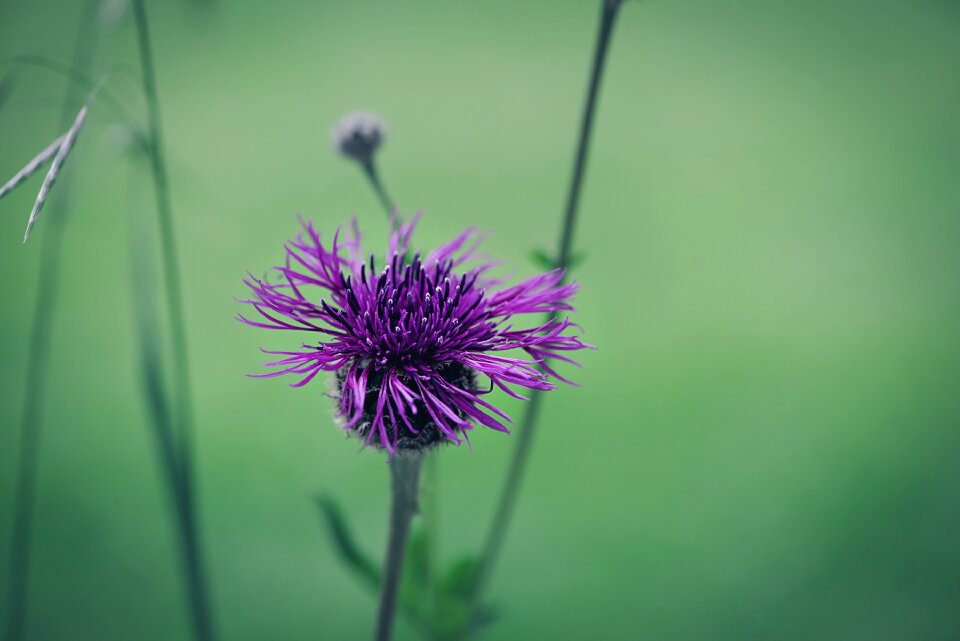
(358, 135)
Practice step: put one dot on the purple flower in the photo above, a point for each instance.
(410, 340)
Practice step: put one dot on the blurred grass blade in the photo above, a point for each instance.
(6, 87)
(80, 79)
(145, 296)
(66, 145)
(31, 167)
(111, 12)
(344, 542)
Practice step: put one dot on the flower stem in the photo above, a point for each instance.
(370, 171)
(430, 524)
(39, 355)
(404, 476)
(191, 550)
(608, 14)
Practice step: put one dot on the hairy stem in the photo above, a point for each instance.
(39, 355)
(195, 575)
(404, 476)
(511, 488)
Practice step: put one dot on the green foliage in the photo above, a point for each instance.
(455, 615)
(541, 258)
(442, 609)
(358, 562)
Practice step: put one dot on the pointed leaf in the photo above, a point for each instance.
(575, 259)
(31, 167)
(414, 584)
(456, 615)
(542, 259)
(344, 542)
(461, 578)
(61, 156)
(545, 261)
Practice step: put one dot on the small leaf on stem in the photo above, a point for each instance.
(343, 540)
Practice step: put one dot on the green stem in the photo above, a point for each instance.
(430, 526)
(370, 171)
(511, 488)
(404, 475)
(191, 550)
(39, 356)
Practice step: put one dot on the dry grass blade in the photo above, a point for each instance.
(66, 145)
(31, 167)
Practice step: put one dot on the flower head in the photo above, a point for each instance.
(412, 339)
(358, 135)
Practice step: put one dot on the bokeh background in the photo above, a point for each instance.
(765, 444)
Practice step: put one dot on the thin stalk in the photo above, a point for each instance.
(370, 171)
(430, 512)
(39, 356)
(404, 476)
(511, 487)
(191, 550)
(431, 473)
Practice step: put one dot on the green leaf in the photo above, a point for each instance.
(575, 259)
(545, 261)
(542, 259)
(461, 578)
(414, 584)
(414, 581)
(344, 542)
(455, 614)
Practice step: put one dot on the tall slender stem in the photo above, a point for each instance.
(187, 509)
(429, 509)
(404, 476)
(370, 171)
(430, 518)
(511, 488)
(39, 355)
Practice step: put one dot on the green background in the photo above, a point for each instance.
(765, 444)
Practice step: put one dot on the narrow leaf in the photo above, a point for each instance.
(542, 259)
(356, 560)
(461, 578)
(66, 145)
(457, 615)
(575, 259)
(31, 167)
(417, 558)
(414, 586)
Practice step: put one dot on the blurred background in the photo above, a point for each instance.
(765, 444)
